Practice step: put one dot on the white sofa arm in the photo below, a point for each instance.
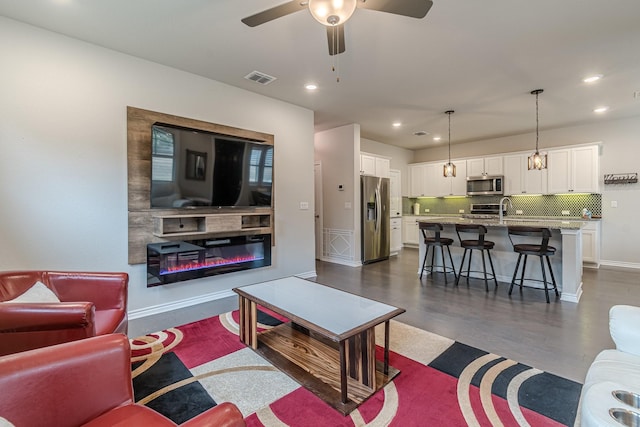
(624, 327)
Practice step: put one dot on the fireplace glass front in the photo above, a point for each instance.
(170, 262)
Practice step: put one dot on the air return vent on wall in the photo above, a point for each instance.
(258, 77)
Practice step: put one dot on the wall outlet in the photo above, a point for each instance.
(566, 213)
(460, 210)
(427, 210)
(614, 203)
(518, 212)
(347, 205)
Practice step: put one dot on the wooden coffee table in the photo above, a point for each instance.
(329, 344)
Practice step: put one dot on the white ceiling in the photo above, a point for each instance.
(480, 58)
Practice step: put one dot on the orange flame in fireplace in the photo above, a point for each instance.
(209, 263)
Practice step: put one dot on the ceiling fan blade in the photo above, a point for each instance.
(274, 13)
(411, 8)
(335, 37)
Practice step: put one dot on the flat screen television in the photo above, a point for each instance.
(193, 168)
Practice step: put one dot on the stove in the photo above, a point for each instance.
(484, 211)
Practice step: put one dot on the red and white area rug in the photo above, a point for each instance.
(183, 371)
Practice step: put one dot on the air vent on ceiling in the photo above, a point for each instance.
(258, 77)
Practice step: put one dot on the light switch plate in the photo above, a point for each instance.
(304, 206)
(614, 203)
(566, 213)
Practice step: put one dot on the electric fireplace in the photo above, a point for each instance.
(170, 262)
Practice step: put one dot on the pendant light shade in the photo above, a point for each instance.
(449, 170)
(536, 160)
(332, 12)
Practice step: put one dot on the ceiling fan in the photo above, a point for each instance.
(334, 13)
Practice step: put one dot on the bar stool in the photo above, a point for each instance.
(433, 242)
(542, 250)
(479, 243)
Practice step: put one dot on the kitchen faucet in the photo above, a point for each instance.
(500, 211)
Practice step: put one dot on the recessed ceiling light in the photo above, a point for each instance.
(437, 138)
(601, 109)
(592, 79)
(311, 86)
(396, 124)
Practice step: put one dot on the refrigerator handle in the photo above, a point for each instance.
(378, 208)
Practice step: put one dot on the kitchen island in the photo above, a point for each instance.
(566, 237)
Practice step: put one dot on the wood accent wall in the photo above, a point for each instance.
(139, 124)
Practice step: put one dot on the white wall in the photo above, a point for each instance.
(620, 147)
(63, 168)
(339, 152)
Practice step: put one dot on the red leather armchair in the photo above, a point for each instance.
(85, 383)
(90, 304)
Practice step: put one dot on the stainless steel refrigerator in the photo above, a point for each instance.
(376, 230)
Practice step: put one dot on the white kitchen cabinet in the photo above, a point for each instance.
(591, 244)
(367, 164)
(410, 231)
(396, 235)
(573, 170)
(374, 165)
(483, 166)
(395, 193)
(458, 184)
(519, 180)
(417, 179)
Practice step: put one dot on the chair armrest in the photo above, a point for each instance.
(225, 414)
(25, 326)
(67, 384)
(107, 291)
(624, 327)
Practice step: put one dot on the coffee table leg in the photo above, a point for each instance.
(248, 329)
(343, 372)
(386, 347)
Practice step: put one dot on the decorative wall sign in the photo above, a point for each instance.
(621, 178)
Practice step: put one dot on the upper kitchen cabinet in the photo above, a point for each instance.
(485, 166)
(427, 180)
(574, 170)
(374, 165)
(417, 180)
(518, 179)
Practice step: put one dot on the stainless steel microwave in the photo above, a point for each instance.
(485, 185)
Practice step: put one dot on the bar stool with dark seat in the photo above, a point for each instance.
(541, 250)
(479, 243)
(433, 242)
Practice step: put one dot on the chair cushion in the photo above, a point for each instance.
(475, 244)
(130, 415)
(614, 365)
(39, 292)
(529, 249)
(433, 241)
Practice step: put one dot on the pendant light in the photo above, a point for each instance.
(449, 170)
(536, 160)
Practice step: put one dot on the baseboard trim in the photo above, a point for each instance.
(176, 305)
(342, 261)
(609, 263)
(200, 299)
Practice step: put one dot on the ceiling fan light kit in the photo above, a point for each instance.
(332, 12)
(536, 160)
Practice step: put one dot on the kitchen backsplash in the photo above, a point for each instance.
(529, 205)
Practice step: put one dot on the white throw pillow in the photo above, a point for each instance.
(5, 423)
(37, 293)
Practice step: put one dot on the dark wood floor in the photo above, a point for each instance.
(561, 337)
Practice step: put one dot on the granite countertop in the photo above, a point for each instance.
(548, 222)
